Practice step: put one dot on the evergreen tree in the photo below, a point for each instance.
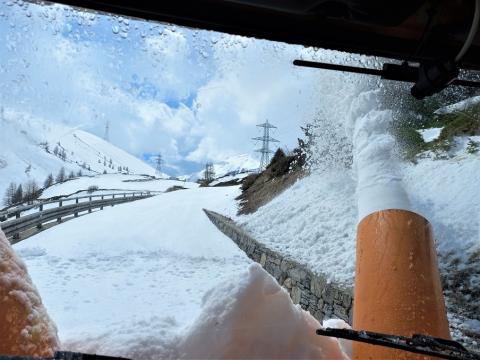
(48, 181)
(71, 175)
(79, 173)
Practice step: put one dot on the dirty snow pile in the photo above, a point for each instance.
(24, 322)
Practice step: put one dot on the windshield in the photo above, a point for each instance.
(117, 133)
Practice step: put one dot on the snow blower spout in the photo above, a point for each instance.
(397, 283)
(25, 327)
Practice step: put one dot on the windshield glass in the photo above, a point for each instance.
(117, 132)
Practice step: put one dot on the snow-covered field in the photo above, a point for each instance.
(114, 182)
(134, 276)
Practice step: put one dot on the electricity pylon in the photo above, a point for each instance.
(266, 139)
(209, 174)
(106, 135)
(158, 164)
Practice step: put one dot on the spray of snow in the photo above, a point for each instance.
(379, 186)
(25, 327)
(254, 318)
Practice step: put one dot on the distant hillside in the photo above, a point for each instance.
(32, 148)
(230, 166)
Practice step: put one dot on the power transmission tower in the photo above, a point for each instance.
(106, 135)
(266, 139)
(209, 174)
(158, 164)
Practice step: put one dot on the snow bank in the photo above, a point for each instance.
(314, 222)
(379, 186)
(25, 327)
(252, 317)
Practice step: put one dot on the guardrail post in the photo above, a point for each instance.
(113, 197)
(124, 195)
(75, 214)
(101, 207)
(17, 215)
(40, 208)
(90, 205)
(59, 219)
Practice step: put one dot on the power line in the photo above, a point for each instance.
(266, 139)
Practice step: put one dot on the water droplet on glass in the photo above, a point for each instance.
(115, 29)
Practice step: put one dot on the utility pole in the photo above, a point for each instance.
(266, 139)
(158, 164)
(106, 135)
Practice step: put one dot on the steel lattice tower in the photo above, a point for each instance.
(158, 164)
(106, 135)
(266, 139)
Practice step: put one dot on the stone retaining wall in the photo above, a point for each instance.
(311, 291)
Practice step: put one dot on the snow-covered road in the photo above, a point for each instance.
(133, 275)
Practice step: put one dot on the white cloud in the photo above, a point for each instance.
(87, 75)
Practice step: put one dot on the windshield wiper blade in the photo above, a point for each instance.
(420, 344)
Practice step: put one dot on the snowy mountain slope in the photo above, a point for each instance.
(135, 275)
(32, 148)
(230, 166)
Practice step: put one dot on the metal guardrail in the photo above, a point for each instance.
(13, 228)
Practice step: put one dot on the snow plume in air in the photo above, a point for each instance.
(254, 318)
(379, 185)
(25, 327)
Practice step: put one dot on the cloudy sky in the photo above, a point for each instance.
(194, 96)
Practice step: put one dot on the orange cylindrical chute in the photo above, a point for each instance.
(25, 327)
(397, 284)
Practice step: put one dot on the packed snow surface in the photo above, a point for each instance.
(137, 282)
(129, 278)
